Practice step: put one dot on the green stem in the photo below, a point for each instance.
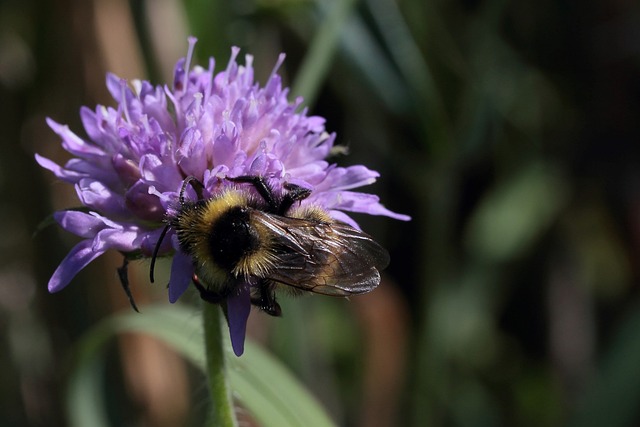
(222, 413)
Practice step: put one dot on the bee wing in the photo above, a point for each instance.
(325, 258)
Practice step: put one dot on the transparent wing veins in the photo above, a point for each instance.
(325, 258)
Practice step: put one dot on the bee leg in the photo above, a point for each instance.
(124, 281)
(261, 187)
(295, 194)
(266, 300)
(269, 306)
(206, 294)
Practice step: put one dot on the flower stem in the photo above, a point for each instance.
(222, 413)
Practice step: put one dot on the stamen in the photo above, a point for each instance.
(187, 64)
(279, 62)
(235, 50)
(123, 99)
(212, 67)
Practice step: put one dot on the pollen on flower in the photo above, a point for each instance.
(130, 168)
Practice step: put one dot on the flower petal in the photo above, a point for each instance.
(192, 155)
(142, 204)
(96, 195)
(122, 240)
(77, 259)
(181, 274)
(58, 171)
(163, 174)
(347, 178)
(238, 309)
(79, 223)
(378, 209)
(72, 142)
(355, 202)
(147, 242)
(343, 217)
(94, 125)
(114, 86)
(126, 169)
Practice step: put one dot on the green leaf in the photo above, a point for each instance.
(511, 218)
(259, 382)
(266, 387)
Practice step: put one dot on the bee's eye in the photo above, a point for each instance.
(232, 237)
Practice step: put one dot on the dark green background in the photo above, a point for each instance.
(509, 131)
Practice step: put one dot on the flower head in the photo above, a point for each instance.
(130, 170)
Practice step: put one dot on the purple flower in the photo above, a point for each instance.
(130, 169)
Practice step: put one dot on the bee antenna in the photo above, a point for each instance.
(155, 252)
(190, 180)
(124, 281)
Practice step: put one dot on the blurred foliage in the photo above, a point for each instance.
(507, 130)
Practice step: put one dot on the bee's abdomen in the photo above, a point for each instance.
(231, 237)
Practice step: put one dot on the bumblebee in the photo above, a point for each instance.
(249, 233)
